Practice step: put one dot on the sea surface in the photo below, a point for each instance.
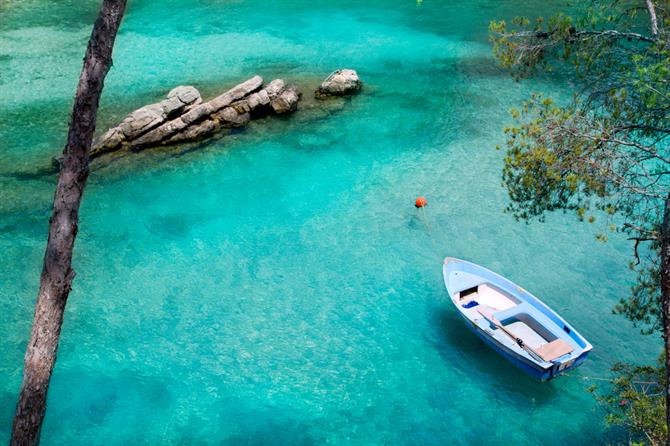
(277, 286)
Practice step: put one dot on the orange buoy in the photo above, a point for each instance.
(420, 202)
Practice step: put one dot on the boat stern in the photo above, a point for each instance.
(570, 363)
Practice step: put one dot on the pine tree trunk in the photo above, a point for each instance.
(665, 304)
(57, 274)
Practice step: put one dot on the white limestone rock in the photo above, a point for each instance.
(340, 83)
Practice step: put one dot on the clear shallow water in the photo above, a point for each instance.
(278, 287)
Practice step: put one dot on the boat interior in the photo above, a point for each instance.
(521, 319)
(486, 294)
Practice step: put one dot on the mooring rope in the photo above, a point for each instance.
(590, 378)
(599, 378)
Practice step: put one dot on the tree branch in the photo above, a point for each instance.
(652, 17)
(576, 35)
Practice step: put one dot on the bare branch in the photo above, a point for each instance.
(579, 35)
(652, 17)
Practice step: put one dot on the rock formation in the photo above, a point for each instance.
(184, 117)
(340, 83)
(146, 118)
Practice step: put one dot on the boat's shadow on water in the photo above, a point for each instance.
(478, 361)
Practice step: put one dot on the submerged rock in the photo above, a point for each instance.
(340, 83)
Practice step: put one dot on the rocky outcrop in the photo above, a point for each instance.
(146, 118)
(184, 117)
(286, 101)
(340, 83)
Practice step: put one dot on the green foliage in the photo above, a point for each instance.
(606, 152)
(636, 401)
(544, 166)
(643, 306)
(525, 50)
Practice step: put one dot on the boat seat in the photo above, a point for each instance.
(554, 349)
(530, 337)
(523, 307)
(548, 351)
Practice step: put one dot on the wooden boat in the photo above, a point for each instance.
(513, 322)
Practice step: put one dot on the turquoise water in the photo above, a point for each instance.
(277, 286)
